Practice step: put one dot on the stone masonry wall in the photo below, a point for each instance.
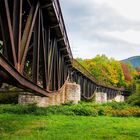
(69, 92)
(100, 97)
(73, 92)
(119, 98)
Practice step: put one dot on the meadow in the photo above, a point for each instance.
(62, 127)
(85, 121)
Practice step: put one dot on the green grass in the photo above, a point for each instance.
(67, 122)
(61, 127)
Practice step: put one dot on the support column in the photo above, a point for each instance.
(69, 92)
(73, 92)
(119, 98)
(100, 97)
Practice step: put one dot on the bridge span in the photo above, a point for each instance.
(35, 53)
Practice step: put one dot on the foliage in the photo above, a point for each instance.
(82, 109)
(126, 70)
(105, 70)
(9, 98)
(109, 71)
(138, 69)
(137, 76)
(134, 99)
(27, 69)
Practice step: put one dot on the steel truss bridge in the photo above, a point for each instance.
(35, 52)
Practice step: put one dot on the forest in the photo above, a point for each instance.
(109, 71)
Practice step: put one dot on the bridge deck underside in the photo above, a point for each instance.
(34, 49)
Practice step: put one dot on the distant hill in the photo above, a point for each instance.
(135, 61)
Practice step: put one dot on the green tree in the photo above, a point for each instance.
(134, 99)
(106, 71)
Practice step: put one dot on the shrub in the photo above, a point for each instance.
(134, 99)
(126, 112)
(9, 98)
(82, 109)
(116, 105)
(21, 109)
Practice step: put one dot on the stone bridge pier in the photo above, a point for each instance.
(102, 97)
(70, 92)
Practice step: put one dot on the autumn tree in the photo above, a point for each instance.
(106, 71)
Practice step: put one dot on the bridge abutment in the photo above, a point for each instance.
(70, 92)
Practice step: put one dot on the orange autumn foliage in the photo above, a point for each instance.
(127, 74)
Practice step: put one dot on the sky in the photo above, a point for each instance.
(110, 27)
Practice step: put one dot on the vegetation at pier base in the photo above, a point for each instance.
(8, 97)
(81, 109)
(70, 122)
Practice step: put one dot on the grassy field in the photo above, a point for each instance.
(31, 126)
(61, 127)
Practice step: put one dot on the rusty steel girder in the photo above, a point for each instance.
(35, 52)
(32, 46)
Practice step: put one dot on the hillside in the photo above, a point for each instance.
(135, 61)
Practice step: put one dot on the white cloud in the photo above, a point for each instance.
(108, 45)
(128, 8)
(103, 27)
(129, 35)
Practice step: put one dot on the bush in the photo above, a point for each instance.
(134, 99)
(9, 98)
(116, 105)
(82, 109)
(20, 109)
(126, 112)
